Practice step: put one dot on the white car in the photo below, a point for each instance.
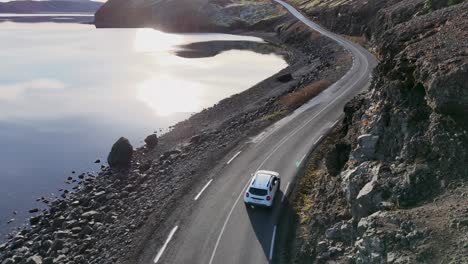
(262, 188)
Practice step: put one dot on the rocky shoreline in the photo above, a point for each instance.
(110, 217)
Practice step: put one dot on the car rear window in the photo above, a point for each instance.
(259, 192)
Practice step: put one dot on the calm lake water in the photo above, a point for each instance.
(69, 91)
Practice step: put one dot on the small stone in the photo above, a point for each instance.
(62, 234)
(285, 78)
(8, 261)
(48, 260)
(322, 246)
(35, 210)
(35, 220)
(34, 260)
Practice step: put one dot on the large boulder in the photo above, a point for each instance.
(352, 180)
(121, 154)
(368, 199)
(151, 141)
(367, 145)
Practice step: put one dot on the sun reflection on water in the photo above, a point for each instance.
(150, 40)
(181, 85)
(168, 95)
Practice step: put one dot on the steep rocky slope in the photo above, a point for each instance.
(400, 154)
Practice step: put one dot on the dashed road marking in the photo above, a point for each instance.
(235, 156)
(202, 190)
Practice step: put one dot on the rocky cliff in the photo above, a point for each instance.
(391, 183)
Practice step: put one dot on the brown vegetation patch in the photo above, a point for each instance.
(299, 97)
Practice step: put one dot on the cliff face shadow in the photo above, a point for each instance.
(213, 48)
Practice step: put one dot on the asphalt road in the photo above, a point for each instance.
(220, 228)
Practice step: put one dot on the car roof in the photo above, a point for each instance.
(261, 180)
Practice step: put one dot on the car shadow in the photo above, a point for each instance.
(264, 220)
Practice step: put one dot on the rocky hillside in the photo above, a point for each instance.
(187, 15)
(390, 184)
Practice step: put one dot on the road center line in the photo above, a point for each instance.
(285, 192)
(272, 247)
(161, 251)
(202, 190)
(235, 156)
(317, 141)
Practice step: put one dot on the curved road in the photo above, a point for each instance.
(219, 228)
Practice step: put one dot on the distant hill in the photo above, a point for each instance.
(23, 7)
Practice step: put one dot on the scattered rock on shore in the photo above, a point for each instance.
(285, 78)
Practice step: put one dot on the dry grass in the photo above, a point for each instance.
(299, 97)
(305, 199)
(361, 40)
(274, 116)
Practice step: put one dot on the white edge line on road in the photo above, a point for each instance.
(285, 192)
(272, 247)
(202, 190)
(161, 251)
(317, 141)
(334, 124)
(233, 157)
(302, 159)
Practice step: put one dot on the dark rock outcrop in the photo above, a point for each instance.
(121, 154)
(151, 141)
(285, 78)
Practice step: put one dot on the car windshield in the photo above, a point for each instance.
(259, 192)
